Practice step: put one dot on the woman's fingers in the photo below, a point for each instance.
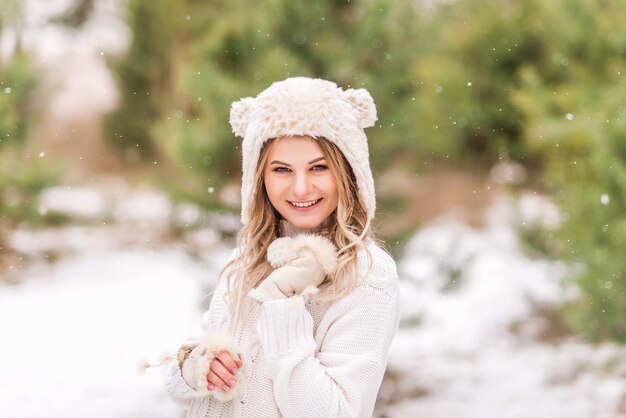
(220, 375)
(214, 381)
(227, 361)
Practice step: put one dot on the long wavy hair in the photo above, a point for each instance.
(348, 227)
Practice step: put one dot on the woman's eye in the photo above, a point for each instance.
(319, 167)
(281, 169)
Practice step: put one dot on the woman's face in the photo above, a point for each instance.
(299, 182)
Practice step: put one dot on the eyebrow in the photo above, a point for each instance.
(310, 162)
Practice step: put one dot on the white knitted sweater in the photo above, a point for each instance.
(306, 358)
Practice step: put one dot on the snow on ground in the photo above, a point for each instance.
(475, 339)
(75, 332)
(477, 324)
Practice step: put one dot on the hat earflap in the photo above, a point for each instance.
(240, 112)
(362, 101)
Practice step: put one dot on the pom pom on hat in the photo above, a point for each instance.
(307, 107)
(240, 115)
(362, 101)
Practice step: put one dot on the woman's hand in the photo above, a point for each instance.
(222, 371)
(213, 365)
(301, 263)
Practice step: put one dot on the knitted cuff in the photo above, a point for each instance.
(183, 352)
(285, 326)
(195, 365)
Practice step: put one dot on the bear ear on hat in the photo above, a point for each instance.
(240, 112)
(361, 100)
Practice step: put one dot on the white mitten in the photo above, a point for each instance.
(195, 363)
(301, 263)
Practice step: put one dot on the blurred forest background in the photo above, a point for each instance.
(474, 97)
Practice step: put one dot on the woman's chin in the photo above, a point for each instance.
(305, 224)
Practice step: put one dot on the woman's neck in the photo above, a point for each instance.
(287, 229)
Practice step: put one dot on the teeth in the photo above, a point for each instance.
(305, 204)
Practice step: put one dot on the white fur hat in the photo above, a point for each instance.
(312, 107)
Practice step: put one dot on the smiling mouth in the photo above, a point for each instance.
(304, 204)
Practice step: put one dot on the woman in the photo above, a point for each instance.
(303, 315)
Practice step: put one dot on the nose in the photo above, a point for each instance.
(302, 185)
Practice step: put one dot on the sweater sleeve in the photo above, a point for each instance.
(341, 378)
(177, 388)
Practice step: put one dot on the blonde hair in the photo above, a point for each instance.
(348, 227)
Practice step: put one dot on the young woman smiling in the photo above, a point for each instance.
(302, 317)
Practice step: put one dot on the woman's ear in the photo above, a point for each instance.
(240, 112)
(362, 101)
